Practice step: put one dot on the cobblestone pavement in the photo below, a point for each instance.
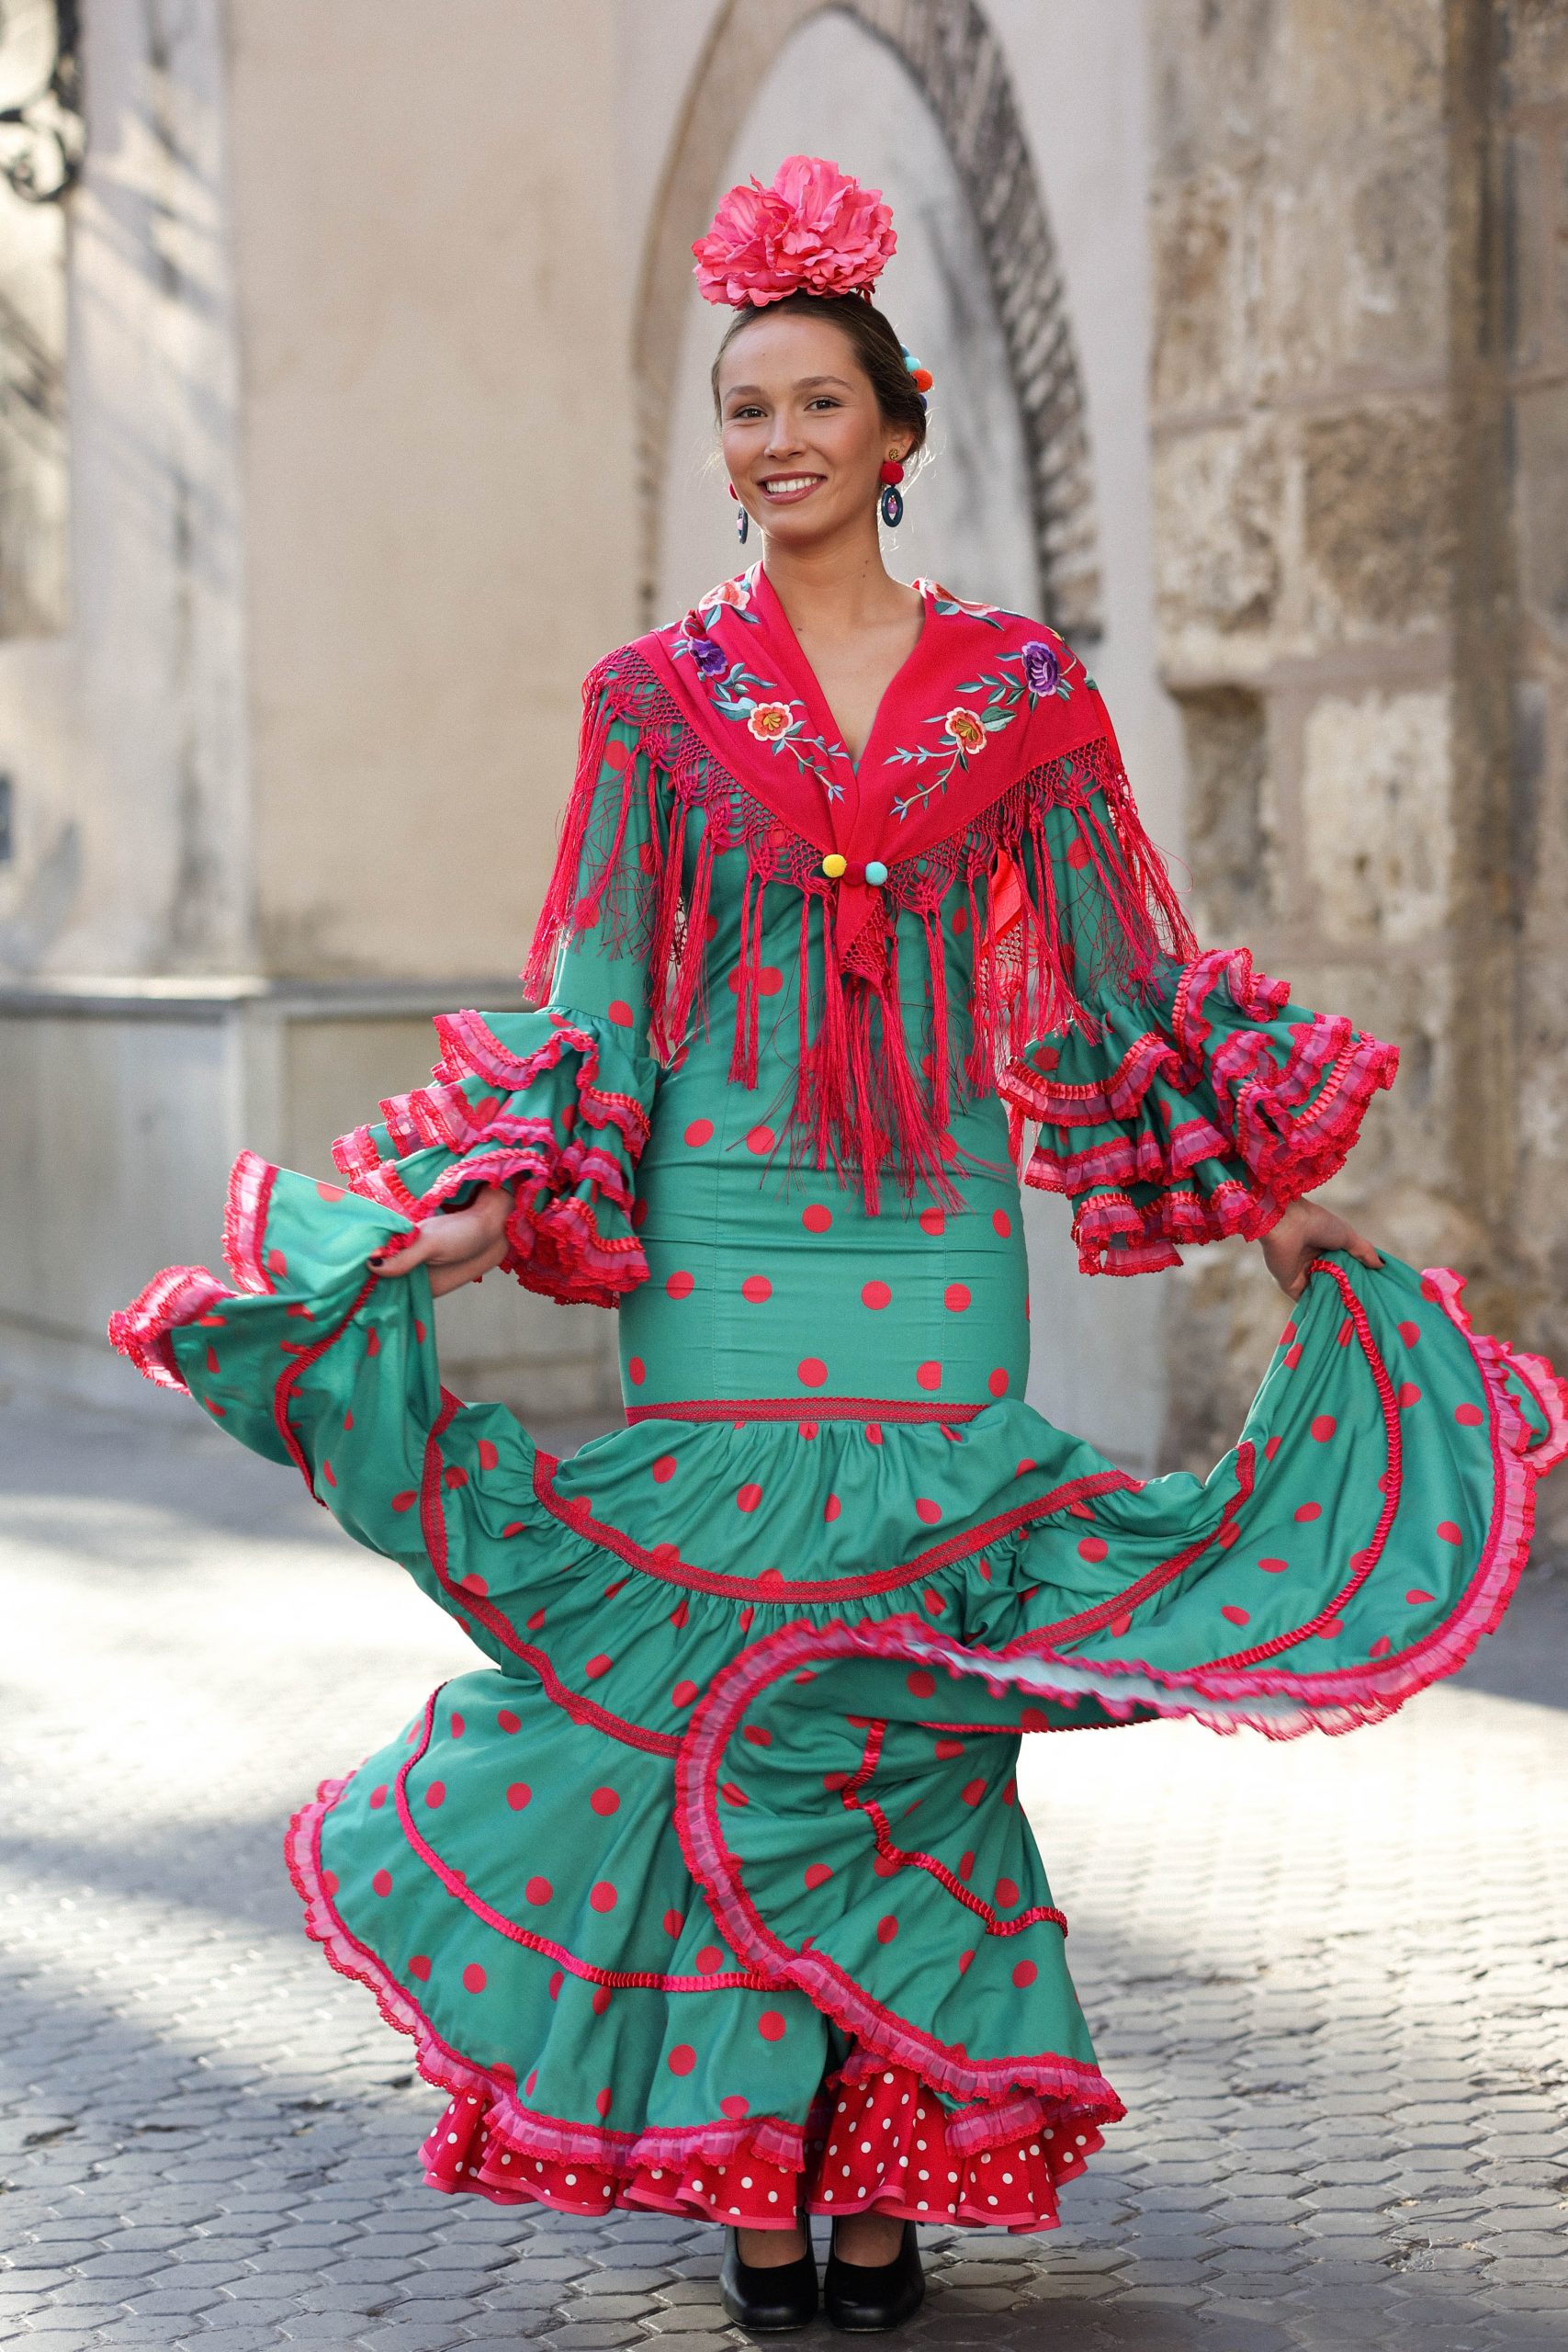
(1328, 1979)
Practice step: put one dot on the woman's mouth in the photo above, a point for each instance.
(786, 489)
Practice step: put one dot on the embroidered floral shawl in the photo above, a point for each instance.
(991, 721)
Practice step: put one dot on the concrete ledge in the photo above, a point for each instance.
(218, 997)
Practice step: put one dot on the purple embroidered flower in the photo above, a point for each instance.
(1042, 670)
(709, 656)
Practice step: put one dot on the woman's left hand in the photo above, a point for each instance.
(1306, 1228)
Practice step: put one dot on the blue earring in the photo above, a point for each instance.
(892, 506)
(744, 520)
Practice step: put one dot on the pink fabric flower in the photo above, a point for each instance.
(814, 230)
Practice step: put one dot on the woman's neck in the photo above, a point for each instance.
(836, 589)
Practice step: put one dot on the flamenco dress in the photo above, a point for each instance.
(710, 1886)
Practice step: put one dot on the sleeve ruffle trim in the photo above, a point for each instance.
(1206, 1121)
(550, 1104)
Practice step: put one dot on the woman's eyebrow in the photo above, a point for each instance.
(803, 383)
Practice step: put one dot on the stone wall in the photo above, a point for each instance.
(1368, 661)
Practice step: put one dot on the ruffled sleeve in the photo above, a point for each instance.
(1198, 1102)
(555, 1102)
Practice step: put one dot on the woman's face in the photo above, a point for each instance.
(803, 437)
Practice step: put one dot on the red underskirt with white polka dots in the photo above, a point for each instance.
(885, 2151)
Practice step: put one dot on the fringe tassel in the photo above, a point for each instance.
(941, 1053)
(747, 979)
(558, 915)
(856, 1096)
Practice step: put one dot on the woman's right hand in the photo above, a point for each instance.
(458, 1244)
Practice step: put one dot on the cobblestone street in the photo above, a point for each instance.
(1328, 1979)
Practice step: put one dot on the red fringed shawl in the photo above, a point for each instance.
(991, 722)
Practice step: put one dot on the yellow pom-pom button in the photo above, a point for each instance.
(834, 865)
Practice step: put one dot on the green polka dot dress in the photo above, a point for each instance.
(708, 1888)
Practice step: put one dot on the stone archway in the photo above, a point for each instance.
(958, 65)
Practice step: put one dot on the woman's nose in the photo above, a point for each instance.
(784, 436)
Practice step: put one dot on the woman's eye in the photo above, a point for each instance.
(823, 400)
(743, 415)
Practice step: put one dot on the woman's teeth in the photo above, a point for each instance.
(787, 485)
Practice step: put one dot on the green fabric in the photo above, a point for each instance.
(699, 1629)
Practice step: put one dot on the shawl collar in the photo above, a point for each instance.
(984, 697)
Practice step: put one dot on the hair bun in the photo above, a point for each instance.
(814, 231)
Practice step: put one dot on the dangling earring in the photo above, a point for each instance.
(892, 499)
(744, 520)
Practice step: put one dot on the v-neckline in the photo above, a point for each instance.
(824, 708)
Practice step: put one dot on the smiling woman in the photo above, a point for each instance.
(711, 1894)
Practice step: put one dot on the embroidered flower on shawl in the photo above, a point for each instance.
(948, 605)
(966, 730)
(1041, 667)
(815, 229)
(709, 656)
(769, 720)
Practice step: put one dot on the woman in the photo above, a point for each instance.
(711, 1894)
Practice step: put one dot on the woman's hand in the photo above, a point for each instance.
(1304, 1230)
(459, 1246)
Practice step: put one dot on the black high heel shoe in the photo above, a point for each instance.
(769, 2301)
(865, 2300)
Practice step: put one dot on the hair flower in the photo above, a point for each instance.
(814, 231)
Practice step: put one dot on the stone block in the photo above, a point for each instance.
(1375, 815)
(1541, 440)
(1355, 75)
(1220, 496)
(1535, 50)
(1377, 496)
(1215, 68)
(1199, 351)
(1350, 262)
(1230, 827)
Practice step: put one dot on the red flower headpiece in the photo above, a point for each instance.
(814, 231)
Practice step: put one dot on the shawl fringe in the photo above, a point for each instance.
(867, 1099)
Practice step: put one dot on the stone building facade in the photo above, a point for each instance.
(1360, 426)
(378, 411)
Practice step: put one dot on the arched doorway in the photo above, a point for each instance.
(983, 242)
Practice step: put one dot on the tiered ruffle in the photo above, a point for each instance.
(1201, 1110)
(552, 1104)
(887, 2147)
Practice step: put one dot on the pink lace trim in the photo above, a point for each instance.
(830, 1988)
(180, 1295)
(458, 1886)
(887, 2147)
(853, 1798)
(1287, 1144)
(493, 2122)
(545, 2135)
(468, 1600)
(251, 1180)
(556, 1244)
(664, 1560)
